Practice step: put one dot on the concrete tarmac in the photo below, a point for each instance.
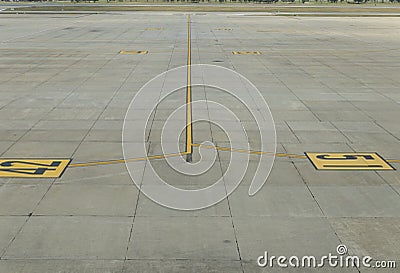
(332, 85)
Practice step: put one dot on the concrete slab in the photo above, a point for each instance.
(39, 149)
(313, 177)
(357, 201)
(10, 226)
(285, 201)
(183, 238)
(250, 267)
(74, 199)
(5, 145)
(88, 150)
(21, 199)
(71, 237)
(114, 174)
(48, 266)
(11, 135)
(190, 266)
(104, 135)
(148, 208)
(284, 236)
(369, 236)
(54, 135)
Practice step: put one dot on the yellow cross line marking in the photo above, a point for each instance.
(248, 151)
(219, 148)
(116, 161)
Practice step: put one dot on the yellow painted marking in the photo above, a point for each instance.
(290, 155)
(189, 137)
(134, 52)
(32, 168)
(246, 52)
(219, 148)
(116, 161)
(154, 28)
(348, 161)
(393, 160)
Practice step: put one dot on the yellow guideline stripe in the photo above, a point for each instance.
(248, 151)
(189, 138)
(109, 162)
(116, 161)
(393, 160)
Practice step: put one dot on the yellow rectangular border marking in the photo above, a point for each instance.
(133, 52)
(32, 167)
(348, 161)
(246, 52)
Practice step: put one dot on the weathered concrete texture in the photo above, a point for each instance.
(332, 85)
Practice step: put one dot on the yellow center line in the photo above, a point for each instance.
(189, 129)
